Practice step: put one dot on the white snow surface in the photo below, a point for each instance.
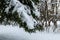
(10, 32)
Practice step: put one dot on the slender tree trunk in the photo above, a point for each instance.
(46, 12)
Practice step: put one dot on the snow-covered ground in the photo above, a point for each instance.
(10, 32)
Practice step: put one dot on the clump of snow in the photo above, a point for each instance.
(7, 10)
(37, 9)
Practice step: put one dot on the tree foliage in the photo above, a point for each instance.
(7, 18)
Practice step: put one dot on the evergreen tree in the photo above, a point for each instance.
(7, 18)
